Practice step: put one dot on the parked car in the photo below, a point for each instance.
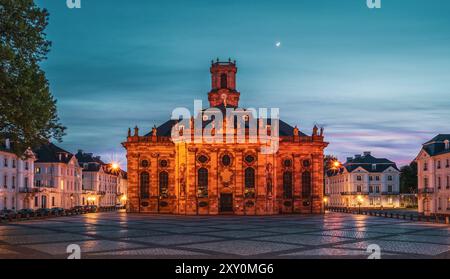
(42, 212)
(78, 209)
(57, 211)
(7, 214)
(26, 213)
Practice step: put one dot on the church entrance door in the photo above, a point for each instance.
(226, 203)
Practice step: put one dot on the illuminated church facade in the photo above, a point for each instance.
(171, 171)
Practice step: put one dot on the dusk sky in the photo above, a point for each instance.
(377, 80)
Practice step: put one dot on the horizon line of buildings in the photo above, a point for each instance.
(370, 182)
(50, 176)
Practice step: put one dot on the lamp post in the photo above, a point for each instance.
(360, 200)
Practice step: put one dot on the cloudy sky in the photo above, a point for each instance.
(378, 80)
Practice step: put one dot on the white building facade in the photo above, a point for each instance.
(57, 178)
(433, 167)
(363, 181)
(16, 177)
(103, 184)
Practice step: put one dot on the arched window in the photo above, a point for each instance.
(223, 81)
(164, 184)
(203, 182)
(287, 185)
(249, 178)
(145, 185)
(306, 184)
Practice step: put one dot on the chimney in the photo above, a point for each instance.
(367, 153)
(60, 156)
(7, 144)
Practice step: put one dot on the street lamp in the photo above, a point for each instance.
(325, 201)
(360, 200)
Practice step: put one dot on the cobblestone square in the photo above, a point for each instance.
(121, 235)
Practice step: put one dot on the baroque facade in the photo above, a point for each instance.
(184, 175)
(433, 168)
(363, 181)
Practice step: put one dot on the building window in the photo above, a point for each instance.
(38, 183)
(223, 81)
(370, 189)
(425, 182)
(358, 188)
(359, 178)
(163, 184)
(377, 189)
(287, 184)
(425, 166)
(226, 160)
(36, 201)
(249, 159)
(145, 185)
(5, 182)
(53, 201)
(306, 184)
(144, 164)
(25, 182)
(438, 164)
(202, 159)
(5, 162)
(26, 166)
(390, 188)
(13, 185)
(37, 170)
(448, 182)
(377, 178)
(370, 178)
(14, 164)
(163, 163)
(249, 182)
(203, 182)
(287, 163)
(306, 163)
(448, 164)
(390, 178)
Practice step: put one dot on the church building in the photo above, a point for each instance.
(167, 175)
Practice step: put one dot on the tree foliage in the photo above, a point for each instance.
(28, 115)
(408, 178)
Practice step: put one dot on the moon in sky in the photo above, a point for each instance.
(278, 44)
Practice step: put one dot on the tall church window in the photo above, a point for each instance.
(203, 182)
(249, 182)
(145, 185)
(306, 184)
(287, 185)
(163, 184)
(223, 81)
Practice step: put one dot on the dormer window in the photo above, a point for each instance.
(374, 167)
(447, 144)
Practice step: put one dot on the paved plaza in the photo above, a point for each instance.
(121, 235)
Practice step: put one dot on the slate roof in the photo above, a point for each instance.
(87, 158)
(49, 153)
(436, 146)
(366, 162)
(166, 128)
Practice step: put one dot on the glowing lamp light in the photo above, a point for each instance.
(325, 199)
(336, 164)
(115, 166)
(124, 198)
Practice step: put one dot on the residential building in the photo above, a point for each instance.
(102, 182)
(433, 167)
(16, 177)
(58, 178)
(363, 181)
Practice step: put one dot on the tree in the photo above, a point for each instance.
(328, 162)
(408, 178)
(28, 115)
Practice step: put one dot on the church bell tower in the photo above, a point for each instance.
(223, 83)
